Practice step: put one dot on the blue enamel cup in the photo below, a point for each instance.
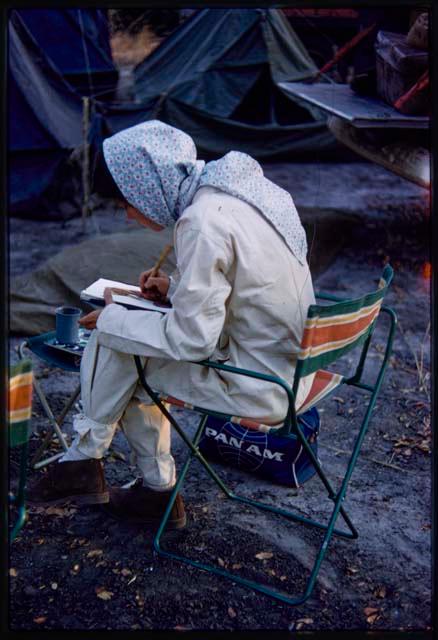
(67, 327)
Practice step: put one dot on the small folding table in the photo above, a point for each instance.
(67, 360)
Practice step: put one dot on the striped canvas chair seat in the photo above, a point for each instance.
(324, 383)
(330, 332)
(20, 403)
(244, 422)
(19, 416)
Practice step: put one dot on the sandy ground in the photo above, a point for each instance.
(65, 558)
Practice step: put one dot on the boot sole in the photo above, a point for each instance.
(171, 524)
(92, 498)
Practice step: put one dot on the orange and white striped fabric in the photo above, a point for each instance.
(322, 335)
(323, 383)
(244, 422)
(20, 397)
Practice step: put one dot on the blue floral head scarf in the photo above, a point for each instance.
(155, 167)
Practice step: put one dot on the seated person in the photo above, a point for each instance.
(241, 296)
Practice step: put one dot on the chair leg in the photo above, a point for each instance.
(222, 572)
(22, 516)
(331, 493)
(329, 528)
(19, 498)
(194, 453)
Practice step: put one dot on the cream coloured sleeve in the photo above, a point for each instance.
(190, 330)
(173, 284)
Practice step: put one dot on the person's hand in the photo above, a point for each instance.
(154, 287)
(89, 321)
(108, 296)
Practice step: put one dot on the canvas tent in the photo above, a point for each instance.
(46, 71)
(77, 43)
(215, 77)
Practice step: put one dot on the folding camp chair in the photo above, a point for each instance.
(37, 345)
(20, 411)
(330, 332)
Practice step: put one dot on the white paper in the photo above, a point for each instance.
(96, 290)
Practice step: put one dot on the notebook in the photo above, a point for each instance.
(94, 294)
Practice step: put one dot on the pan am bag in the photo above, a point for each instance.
(277, 459)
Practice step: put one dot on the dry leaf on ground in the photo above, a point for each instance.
(351, 571)
(371, 613)
(373, 618)
(302, 622)
(264, 555)
(103, 594)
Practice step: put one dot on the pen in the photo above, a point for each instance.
(163, 255)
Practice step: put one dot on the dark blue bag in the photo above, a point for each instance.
(279, 460)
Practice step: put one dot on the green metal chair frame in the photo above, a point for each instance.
(309, 362)
(20, 408)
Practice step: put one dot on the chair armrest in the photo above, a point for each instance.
(290, 415)
(329, 296)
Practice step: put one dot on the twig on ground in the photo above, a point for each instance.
(419, 359)
(381, 462)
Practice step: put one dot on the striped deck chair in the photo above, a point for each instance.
(20, 411)
(331, 330)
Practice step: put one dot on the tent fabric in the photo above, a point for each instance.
(31, 175)
(77, 42)
(45, 122)
(45, 118)
(40, 91)
(214, 59)
(215, 77)
(120, 256)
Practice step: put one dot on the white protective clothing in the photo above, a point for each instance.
(242, 297)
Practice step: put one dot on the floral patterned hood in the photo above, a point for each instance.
(155, 167)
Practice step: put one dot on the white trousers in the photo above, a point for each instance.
(111, 396)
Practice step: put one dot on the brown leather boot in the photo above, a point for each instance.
(145, 506)
(81, 482)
